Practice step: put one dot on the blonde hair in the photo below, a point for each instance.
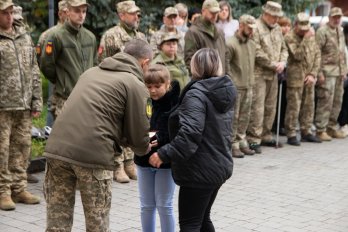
(157, 73)
(206, 63)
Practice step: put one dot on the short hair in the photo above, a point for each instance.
(284, 21)
(157, 73)
(139, 49)
(225, 3)
(206, 63)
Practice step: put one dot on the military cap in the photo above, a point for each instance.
(273, 8)
(170, 11)
(212, 5)
(168, 37)
(76, 3)
(127, 7)
(336, 11)
(62, 5)
(248, 20)
(4, 4)
(17, 13)
(302, 20)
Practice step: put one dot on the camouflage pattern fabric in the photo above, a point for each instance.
(57, 104)
(15, 146)
(156, 38)
(114, 40)
(300, 110)
(60, 184)
(241, 118)
(329, 101)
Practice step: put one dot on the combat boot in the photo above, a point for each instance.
(337, 134)
(26, 197)
(6, 203)
(120, 175)
(236, 153)
(247, 151)
(256, 147)
(130, 169)
(323, 136)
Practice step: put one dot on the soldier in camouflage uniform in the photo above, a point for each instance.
(106, 110)
(114, 39)
(240, 62)
(302, 70)
(112, 42)
(20, 100)
(169, 26)
(271, 56)
(332, 73)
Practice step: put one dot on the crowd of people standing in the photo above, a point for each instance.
(170, 108)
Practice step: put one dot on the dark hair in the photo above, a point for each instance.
(139, 49)
(225, 3)
(157, 73)
(206, 63)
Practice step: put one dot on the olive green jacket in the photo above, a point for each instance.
(106, 110)
(68, 52)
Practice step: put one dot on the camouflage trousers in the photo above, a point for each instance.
(15, 146)
(300, 110)
(57, 104)
(241, 118)
(126, 155)
(263, 109)
(60, 187)
(329, 101)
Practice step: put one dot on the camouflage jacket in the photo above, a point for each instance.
(331, 43)
(68, 53)
(156, 39)
(20, 83)
(114, 39)
(304, 59)
(240, 61)
(270, 49)
(176, 67)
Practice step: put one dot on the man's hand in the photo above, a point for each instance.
(309, 80)
(35, 114)
(155, 160)
(280, 67)
(321, 79)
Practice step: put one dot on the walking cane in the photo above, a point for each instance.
(279, 108)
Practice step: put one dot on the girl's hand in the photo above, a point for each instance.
(154, 143)
(155, 160)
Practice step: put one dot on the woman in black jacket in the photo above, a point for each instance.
(200, 154)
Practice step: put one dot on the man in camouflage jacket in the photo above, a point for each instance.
(20, 100)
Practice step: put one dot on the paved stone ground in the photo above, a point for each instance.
(290, 189)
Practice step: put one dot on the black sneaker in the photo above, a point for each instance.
(310, 138)
(294, 141)
(256, 147)
(271, 143)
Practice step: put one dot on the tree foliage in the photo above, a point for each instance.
(101, 13)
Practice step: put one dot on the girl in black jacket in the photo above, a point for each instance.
(200, 154)
(156, 185)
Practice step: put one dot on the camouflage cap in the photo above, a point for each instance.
(127, 7)
(248, 20)
(302, 20)
(168, 37)
(4, 4)
(336, 11)
(273, 8)
(212, 5)
(76, 3)
(62, 5)
(170, 11)
(17, 13)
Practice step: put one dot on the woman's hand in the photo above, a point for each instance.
(155, 160)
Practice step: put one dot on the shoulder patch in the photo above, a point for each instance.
(38, 49)
(100, 50)
(149, 108)
(49, 48)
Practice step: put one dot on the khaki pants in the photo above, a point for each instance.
(59, 190)
(15, 146)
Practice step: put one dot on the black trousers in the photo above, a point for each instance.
(194, 209)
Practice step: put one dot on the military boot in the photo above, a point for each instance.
(323, 136)
(337, 134)
(130, 169)
(26, 197)
(247, 151)
(120, 175)
(236, 153)
(6, 203)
